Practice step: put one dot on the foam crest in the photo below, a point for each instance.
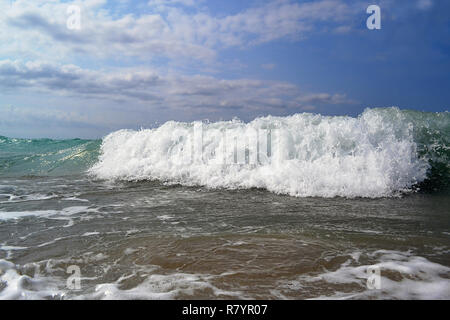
(373, 155)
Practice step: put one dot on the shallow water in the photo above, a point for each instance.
(150, 240)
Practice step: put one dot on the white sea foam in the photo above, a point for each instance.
(18, 286)
(64, 214)
(402, 276)
(13, 215)
(373, 155)
(24, 198)
(74, 199)
(14, 284)
(88, 234)
(156, 287)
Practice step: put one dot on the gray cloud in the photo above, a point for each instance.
(72, 80)
(149, 88)
(35, 21)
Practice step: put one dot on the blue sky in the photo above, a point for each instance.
(139, 63)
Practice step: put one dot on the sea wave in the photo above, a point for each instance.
(383, 152)
(44, 157)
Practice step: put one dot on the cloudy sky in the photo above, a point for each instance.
(139, 63)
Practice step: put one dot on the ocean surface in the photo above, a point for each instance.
(298, 207)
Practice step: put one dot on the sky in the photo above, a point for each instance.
(139, 63)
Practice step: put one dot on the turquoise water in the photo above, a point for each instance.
(20, 157)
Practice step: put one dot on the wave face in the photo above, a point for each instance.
(19, 157)
(383, 152)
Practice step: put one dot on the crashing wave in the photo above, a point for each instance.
(373, 155)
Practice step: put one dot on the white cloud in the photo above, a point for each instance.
(179, 30)
(37, 29)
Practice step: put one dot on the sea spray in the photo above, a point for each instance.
(373, 155)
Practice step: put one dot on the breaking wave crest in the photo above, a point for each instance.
(383, 152)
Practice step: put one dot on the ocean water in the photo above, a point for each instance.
(298, 207)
